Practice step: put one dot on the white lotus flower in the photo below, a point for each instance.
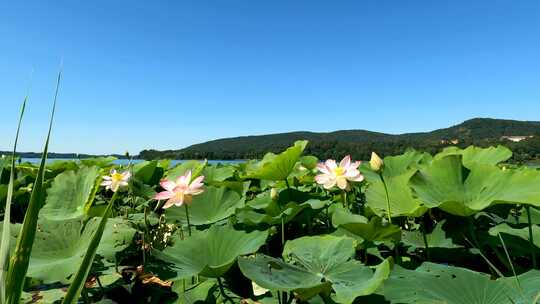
(332, 174)
(116, 180)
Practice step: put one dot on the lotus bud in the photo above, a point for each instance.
(375, 162)
(273, 194)
(258, 290)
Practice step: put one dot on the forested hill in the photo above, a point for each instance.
(360, 143)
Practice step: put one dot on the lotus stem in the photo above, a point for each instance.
(287, 183)
(424, 235)
(344, 199)
(387, 199)
(531, 240)
(283, 219)
(187, 219)
(144, 235)
(282, 231)
(85, 295)
(222, 291)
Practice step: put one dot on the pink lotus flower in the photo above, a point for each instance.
(332, 174)
(180, 192)
(116, 180)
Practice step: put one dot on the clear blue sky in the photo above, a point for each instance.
(167, 74)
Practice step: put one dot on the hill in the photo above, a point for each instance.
(360, 143)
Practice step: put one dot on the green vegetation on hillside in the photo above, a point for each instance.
(481, 132)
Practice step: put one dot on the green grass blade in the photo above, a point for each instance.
(79, 279)
(18, 265)
(4, 246)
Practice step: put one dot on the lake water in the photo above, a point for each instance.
(126, 161)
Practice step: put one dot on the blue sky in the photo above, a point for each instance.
(167, 74)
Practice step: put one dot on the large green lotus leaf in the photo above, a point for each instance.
(148, 172)
(528, 288)
(69, 194)
(277, 167)
(436, 239)
(397, 172)
(213, 205)
(273, 212)
(60, 246)
(312, 261)
(521, 186)
(341, 216)
(58, 250)
(475, 155)
(371, 231)
(43, 296)
(261, 201)
(447, 184)
(196, 168)
(435, 283)
(309, 162)
(217, 173)
(522, 233)
(14, 232)
(290, 202)
(275, 274)
(212, 252)
(199, 293)
(118, 235)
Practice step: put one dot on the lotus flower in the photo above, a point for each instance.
(332, 174)
(116, 180)
(180, 192)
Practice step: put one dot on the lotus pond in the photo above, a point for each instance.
(456, 227)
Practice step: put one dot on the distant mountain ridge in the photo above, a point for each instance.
(479, 131)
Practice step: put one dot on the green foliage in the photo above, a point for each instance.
(214, 205)
(293, 239)
(447, 184)
(70, 194)
(398, 170)
(277, 167)
(210, 253)
(313, 264)
(435, 283)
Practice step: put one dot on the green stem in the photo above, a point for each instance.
(86, 300)
(387, 199)
(531, 240)
(344, 199)
(144, 235)
(187, 218)
(283, 219)
(396, 251)
(282, 231)
(222, 291)
(327, 217)
(424, 235)
(287, 183)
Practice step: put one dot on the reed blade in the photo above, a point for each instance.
(5, 243)
(18, 265)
